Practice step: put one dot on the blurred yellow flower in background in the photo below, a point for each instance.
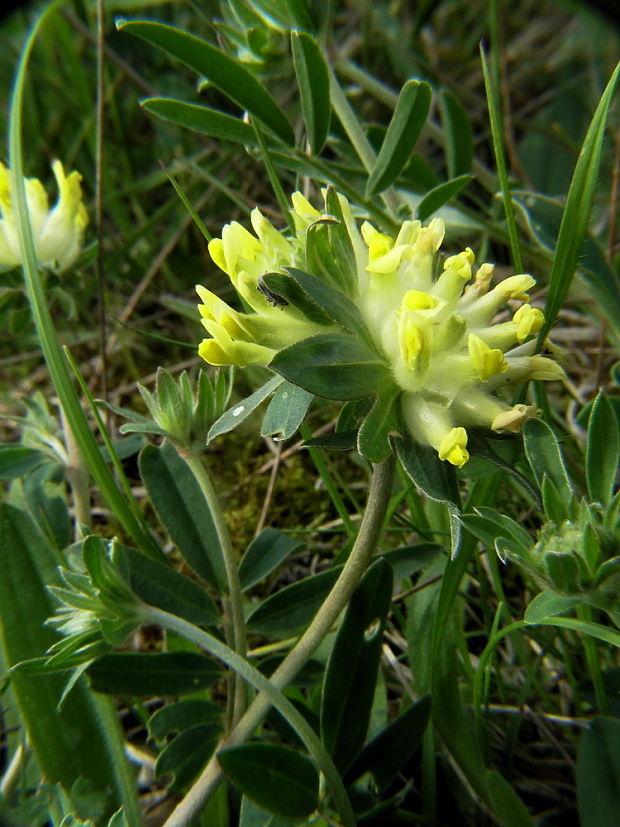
(58, 232)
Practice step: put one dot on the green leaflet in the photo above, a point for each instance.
(336, 366)
(83, 738)
(223, 71)
(402, 134)
(278, 778)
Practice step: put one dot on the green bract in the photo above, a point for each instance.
(423, 332)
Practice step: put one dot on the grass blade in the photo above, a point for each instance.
(500, 161)
(577, 210)
(44, 325)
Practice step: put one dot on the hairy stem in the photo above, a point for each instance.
(370, 529)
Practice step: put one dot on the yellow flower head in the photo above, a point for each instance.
(444, 354)
(58, 233)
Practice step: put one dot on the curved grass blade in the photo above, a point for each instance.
(577, 210)
(595, 630)
(154, 552)
(44, 325)
(500, 161)
(543, 217)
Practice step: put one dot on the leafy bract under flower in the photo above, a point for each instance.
(57, 232)
(434, 330)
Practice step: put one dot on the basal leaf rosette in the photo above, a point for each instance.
(346, 311)
(57, 232)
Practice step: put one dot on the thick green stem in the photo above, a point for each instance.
(233, 604)
(370, 529)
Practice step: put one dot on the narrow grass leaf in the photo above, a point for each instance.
(543, 217)
(223, 71)
(313, 83)
(595, 630)
(46, 332)
(577, 210)
(401, 137)
(500, 161)
(270, 168)
(152, 550)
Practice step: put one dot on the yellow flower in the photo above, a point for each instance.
(446, 354)
(57, 232)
